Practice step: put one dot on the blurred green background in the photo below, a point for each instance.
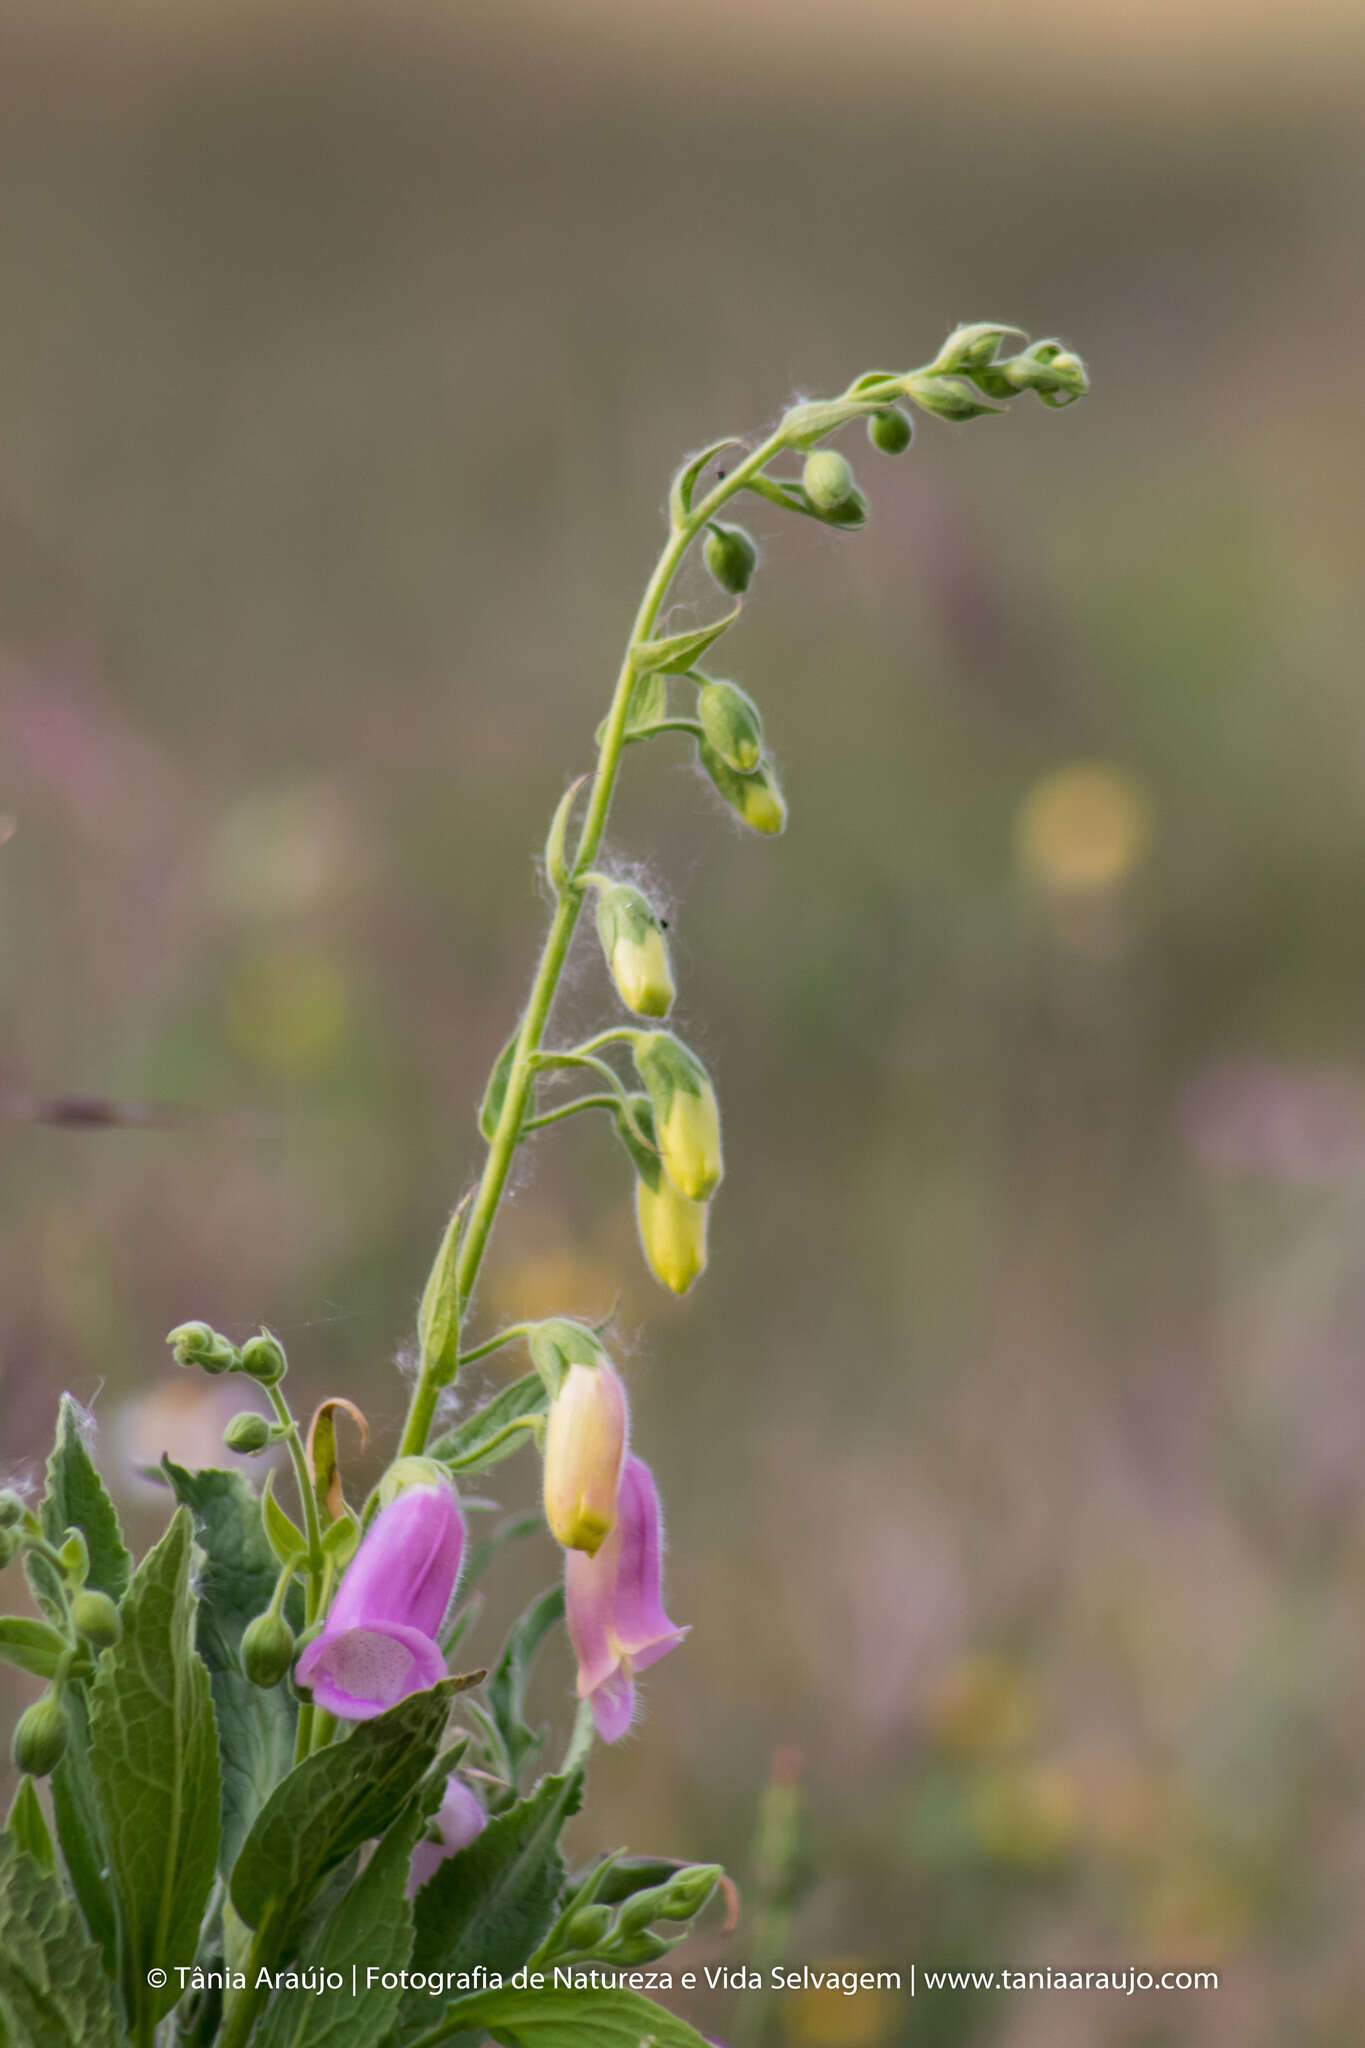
(1014, 1445)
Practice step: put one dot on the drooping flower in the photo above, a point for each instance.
(378, 1643)
(672, 1231)
(457, 1820)
(585, 1441)
(615, 1609)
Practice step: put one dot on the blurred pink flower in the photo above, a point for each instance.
(458, 1819)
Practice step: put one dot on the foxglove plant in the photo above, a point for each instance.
(255, 1805)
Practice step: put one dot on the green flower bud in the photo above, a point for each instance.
(757, 798)
(732, 725)
(731, 557)
(636, 950)
(247, 1433)
(828, 480)
(686, 1114)
(197, 1344)
(75, 1557)
(95, 1617)
(672, 1233)
(11, 1543)
(264, 1360)
(892, 431)
(267, 1649)
(11, 1509)
(584, 1929)
(40, 1737)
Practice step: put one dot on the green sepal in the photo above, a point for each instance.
(478, 1441)
(676, 652)
(556, 1344)
(34, 1646)
(341, 1539)
(556, 866)
(972, 347)
(634, 1122)
(282, 1533)
(26, 1825)
(946, 397)
(438, 1313)
(495, 1094)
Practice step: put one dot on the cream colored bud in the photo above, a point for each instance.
(672, 1233)
(585, 1442)
(636, 951)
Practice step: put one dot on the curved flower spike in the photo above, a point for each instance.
(378, 1643)
(614, 1603)
(457, 1820)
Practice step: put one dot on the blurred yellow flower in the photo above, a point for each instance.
(1027, 1814)
(981, 1706)
(1195, 1914)
(289, 1007)
(1084, 828)
(827, 2017)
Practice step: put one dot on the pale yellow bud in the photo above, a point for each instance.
(689, 1143)
(585, 1441)
(637, 953)
(672, 1233)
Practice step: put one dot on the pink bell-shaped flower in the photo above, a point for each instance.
(614, 1604)
(458, 1819)
(378, 1643)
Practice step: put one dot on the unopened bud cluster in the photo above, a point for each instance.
(261, 1358)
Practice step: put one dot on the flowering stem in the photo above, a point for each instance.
(502, 1146)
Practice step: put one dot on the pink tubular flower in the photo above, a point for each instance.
(615, 1610)
(378, 1643)
(458, 1820)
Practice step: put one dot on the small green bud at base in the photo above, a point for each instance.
(75, 1557)
(891, 431)
(247, 1434)
(94, 1616)
(732, 725)
(585, 1928)
(267, 1649)
(197, 1344)
(636, 951)
(11, 1509)
(731, 557)
(264, 1360)
(40, 1737)
(756, 798)
(828, 480)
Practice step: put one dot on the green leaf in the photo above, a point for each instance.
(495, 1094)
(33, 1645)
(602, 2016)
(27, 1826)
(154, 1755)
(370, 1927)
(677, 651)
(335, 1800)
(507, 1686)
(255, 1723)
(438, 1313)
(470, 1446)
(80, 1827)
(53, 1992)
(494, 1901)
(685, 482)
(76, 1499)
(282, 1533)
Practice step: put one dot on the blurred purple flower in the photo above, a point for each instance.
(457, 1820)
(616, 1618)
(378, 1642)
(1304, 1125)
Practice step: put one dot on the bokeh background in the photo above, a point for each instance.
(1014, 1446)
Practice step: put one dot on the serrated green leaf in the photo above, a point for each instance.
(76, 1499)
(255, 1723)
(33, 1645)
(495, 1900)
(27, 1826)
(335, 1800)
(471, 1445)
(495, 1094)
(154, 1756)
(600, 2016)
(677, 651)
(370, 1927)
(507, 1686)
(53, 1992)
(80, 1827)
